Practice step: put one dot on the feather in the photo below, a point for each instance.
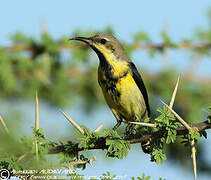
(138, 79)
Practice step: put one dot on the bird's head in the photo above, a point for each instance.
(105, 45)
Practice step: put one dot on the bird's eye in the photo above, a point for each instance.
(103, 41)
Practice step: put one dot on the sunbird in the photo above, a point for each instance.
(122, 85)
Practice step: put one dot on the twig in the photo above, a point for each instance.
(73, 122)
(99, 128)
(36, 123)
(178, 117)
(4, 125)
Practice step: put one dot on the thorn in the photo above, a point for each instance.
(141, 123)
(174, 93)
(36, 123)
(43, 25)
(21, 157)
(193, 149)
(99, 128)
(178, 117)
(36, 111)
(4, 125)
(73, 122)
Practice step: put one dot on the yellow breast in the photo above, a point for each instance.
(131, 99)
(122, 95)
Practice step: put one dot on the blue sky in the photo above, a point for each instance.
(126, 17)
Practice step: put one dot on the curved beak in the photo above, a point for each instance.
(83, 39)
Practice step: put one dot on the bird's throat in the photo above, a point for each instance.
(112, 67)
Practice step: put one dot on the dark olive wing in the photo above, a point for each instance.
(138, 79)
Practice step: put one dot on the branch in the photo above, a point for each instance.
(101, 143)
(181, 45)
(144, 46)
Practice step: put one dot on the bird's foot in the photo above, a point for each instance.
(147, 146)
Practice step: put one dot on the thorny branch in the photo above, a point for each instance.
(145, 46)
(101, 144)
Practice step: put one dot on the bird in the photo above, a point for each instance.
(121, 83)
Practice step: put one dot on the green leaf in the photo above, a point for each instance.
(110, 133)
(117, 148)
(158, 155)
(143, 177)
(194, 135)
(108, 176)
(167, 40)
(141, 36)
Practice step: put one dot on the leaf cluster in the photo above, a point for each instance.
(167, 123)
(88, 139)
(117, 147)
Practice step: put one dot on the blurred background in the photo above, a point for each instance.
(164, 39)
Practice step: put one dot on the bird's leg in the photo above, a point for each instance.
(117, 125)
(130, 128)
(118, 118)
